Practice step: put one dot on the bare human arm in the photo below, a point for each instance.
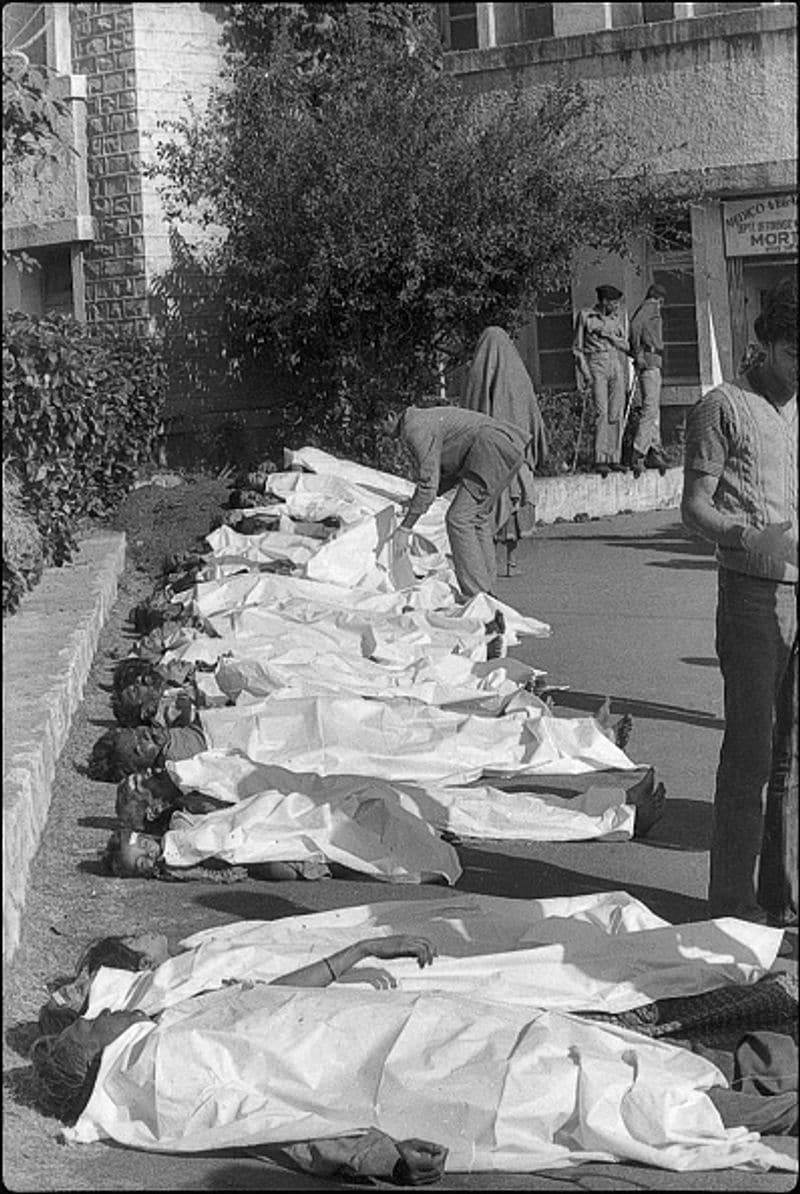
(328, 970)
(700, 515)
(776, 541)
(371, 1154)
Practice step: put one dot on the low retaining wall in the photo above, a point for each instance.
(598, 497)
(48, 648)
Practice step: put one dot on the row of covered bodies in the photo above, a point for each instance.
(347, 704)
(347, 714)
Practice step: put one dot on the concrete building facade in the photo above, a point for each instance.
(707, 87)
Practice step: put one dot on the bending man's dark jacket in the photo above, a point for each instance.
(451, 445)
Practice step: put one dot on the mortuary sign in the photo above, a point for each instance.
(754, 227)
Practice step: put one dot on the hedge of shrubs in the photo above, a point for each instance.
(81, 411)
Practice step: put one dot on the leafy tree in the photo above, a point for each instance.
(30, 118)
(378, 217)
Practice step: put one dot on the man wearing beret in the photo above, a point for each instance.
(600, 337)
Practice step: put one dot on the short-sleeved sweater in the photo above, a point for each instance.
(737, 435)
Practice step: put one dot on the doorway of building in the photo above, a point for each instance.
(758, 275)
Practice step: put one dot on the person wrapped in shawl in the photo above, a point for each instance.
(498, 384)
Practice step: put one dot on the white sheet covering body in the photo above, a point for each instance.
(401, 739)
(484, 812)
(507, 1087)
(302, 670)
(355, 827)
(605, 952)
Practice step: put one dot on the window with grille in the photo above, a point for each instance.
(554, 333)
(537, 21)
(657, 12)
(462, 27)
(681, 360)
(638, 14)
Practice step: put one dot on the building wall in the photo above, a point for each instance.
(114, 264)
(714, 94)
(177, 54)
(715, 91)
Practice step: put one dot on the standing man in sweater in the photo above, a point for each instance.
(647, 349)
(478, 454)
(740, 491)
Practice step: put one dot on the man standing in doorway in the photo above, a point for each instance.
(740, 491)
(647, 349)
(599, 339)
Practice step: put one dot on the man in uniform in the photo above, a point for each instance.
(647, 349)
(600, 337)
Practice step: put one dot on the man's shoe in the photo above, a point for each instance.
(602, 470)
(657, 459)
(637, 464)
(618, 467)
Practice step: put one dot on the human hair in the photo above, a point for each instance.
(112, 857)
(382, 408)
(135, 670)
(64, 1075)
(111, 952)
(656, 292)
(54, 1017)
(118, 753)
(137, 703)
(778, 318)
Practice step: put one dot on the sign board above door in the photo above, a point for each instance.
(759, 226)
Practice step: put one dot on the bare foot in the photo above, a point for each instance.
(618, 731)
(649, 803)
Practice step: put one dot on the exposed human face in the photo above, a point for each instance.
(94, 1035)
(609, 306)
(148, 743)
(138, 855)
(781, 360)
(153, 947)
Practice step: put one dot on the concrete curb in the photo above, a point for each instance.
(48, 648)
(598, 497)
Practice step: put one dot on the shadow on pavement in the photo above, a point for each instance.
(685, 825)
(697, 565)
(498, 874)
(248, 902)
(588, 702)
(109, 823)
(252, 1174)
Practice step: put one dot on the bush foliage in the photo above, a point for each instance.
(22, 545)
(377, 216)
(81, 410)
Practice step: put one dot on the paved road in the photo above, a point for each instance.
(631, 604)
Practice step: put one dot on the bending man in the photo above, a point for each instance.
(473, 452)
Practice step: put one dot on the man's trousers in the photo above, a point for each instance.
(608, 392)
(752, 859)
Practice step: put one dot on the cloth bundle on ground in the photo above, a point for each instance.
(462, 1046)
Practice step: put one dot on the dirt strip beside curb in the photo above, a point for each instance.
(48, 647)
